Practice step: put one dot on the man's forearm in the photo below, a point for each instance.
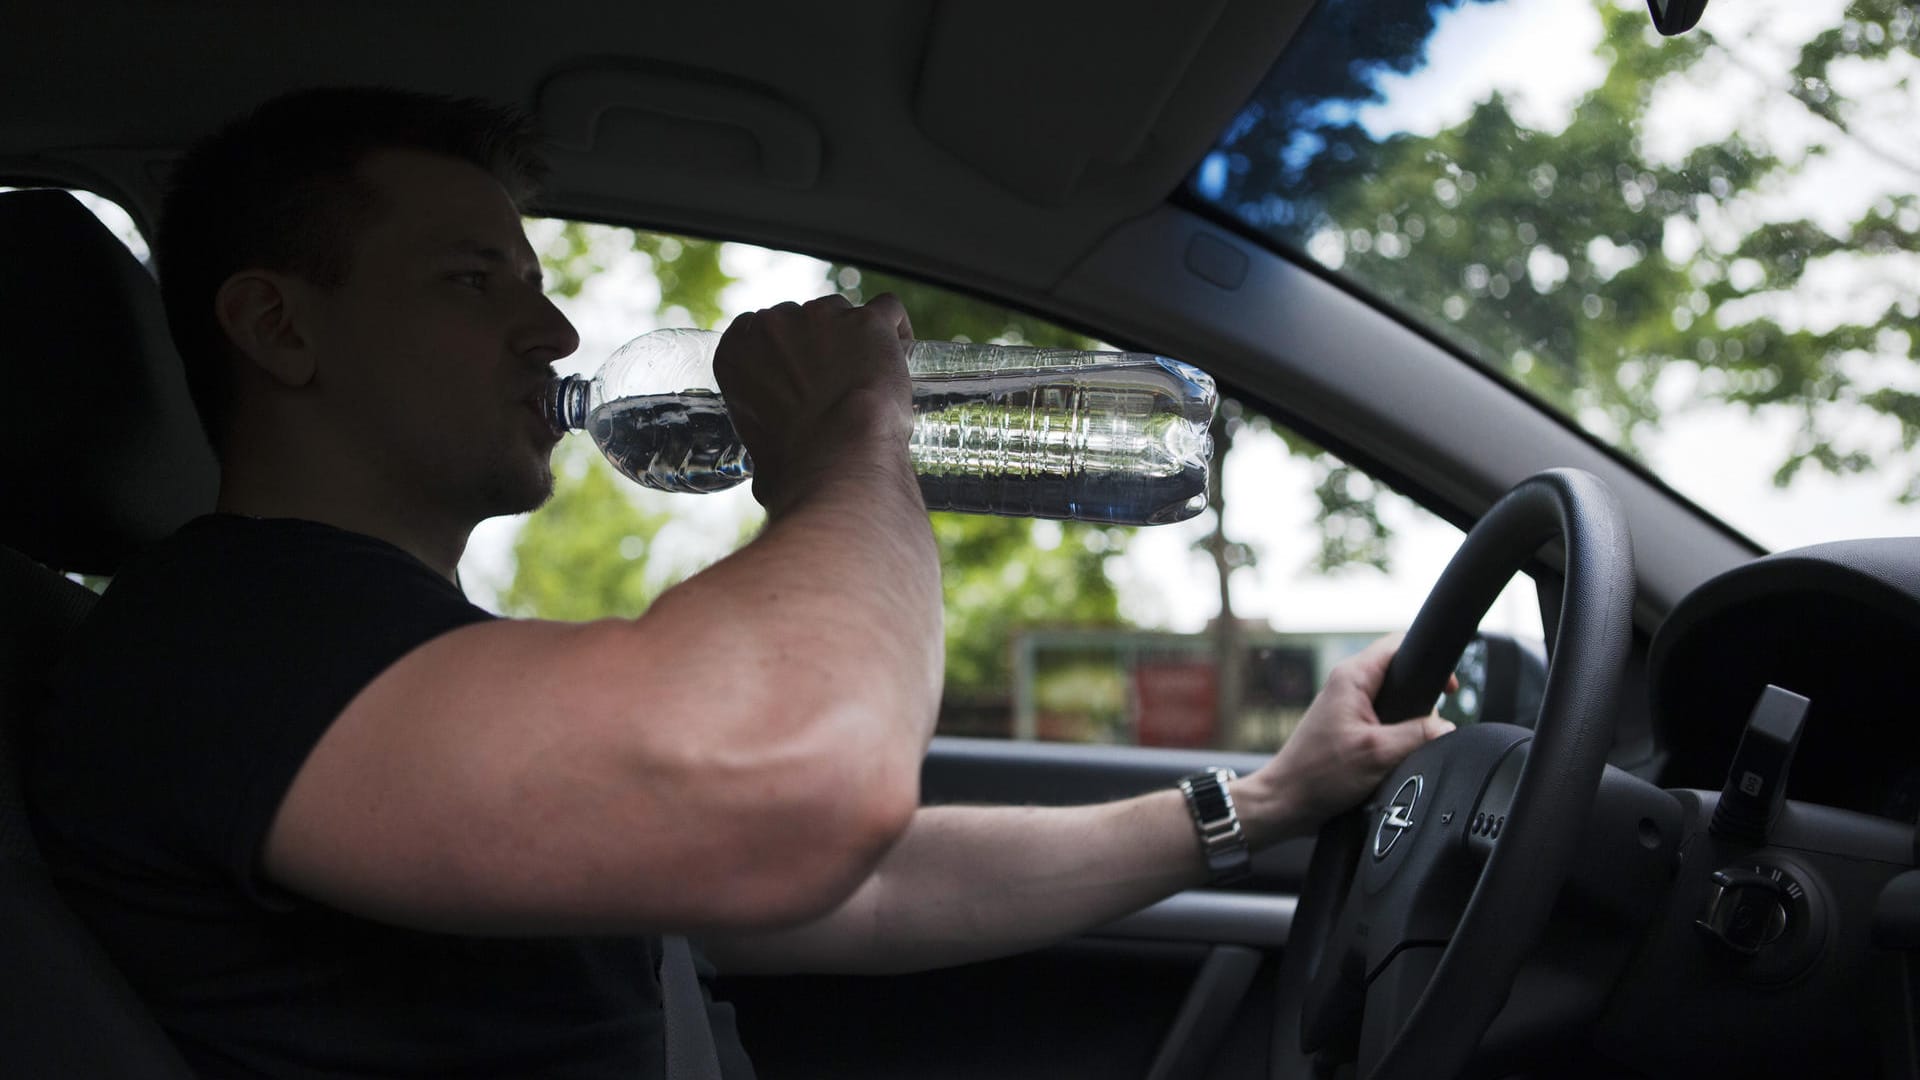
(971, 883)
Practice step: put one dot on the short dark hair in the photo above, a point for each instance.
(277, 190)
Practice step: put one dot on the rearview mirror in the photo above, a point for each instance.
(1672, 17)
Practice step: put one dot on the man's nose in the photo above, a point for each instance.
(547, 331)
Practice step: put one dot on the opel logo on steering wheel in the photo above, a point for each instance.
(1398, 816)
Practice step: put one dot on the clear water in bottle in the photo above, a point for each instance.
(1119, 443)
(1114, 443)
(681, 442)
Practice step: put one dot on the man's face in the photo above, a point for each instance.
(435, 348)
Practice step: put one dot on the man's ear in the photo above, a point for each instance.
(258, 309)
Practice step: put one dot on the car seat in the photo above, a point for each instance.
(100, 453)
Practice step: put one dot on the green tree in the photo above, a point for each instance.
(688, 270)
(588, 553)
(1618, 286)
(1000, 578)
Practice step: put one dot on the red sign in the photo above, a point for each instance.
(1174, 702)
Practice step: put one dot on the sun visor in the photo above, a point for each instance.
(1049, 100)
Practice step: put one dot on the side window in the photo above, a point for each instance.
(1231, 622)
(1214, 632)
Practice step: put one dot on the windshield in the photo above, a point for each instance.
(1705, 249)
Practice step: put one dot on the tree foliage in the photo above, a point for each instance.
(688, 269)
(589, 552)
(1001, 575)
(1619, 285)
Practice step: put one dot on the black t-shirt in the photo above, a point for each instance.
(197, 687)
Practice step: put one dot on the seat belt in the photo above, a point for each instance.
(689, 1034)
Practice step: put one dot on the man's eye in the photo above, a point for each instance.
(474, 278)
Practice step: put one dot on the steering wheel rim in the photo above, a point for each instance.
(1510, 901)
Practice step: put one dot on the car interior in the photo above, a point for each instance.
(1689, 847)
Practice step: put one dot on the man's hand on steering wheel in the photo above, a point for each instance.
(1338, 754)
(1404, 944)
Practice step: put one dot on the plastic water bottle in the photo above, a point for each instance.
(1110, 437)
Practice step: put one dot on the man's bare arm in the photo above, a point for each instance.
(971, 883)
(739, 757)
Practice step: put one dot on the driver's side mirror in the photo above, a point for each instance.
(1502, 680)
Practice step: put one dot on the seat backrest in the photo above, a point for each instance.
(100, 449)
(68, 1011)
(100, 453)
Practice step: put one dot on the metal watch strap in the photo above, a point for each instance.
(1222, 840)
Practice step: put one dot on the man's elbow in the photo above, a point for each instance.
(823, 849)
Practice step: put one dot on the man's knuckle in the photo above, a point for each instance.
(1372, 747)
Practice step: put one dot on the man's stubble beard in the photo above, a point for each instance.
(508, 476)
(522, 494)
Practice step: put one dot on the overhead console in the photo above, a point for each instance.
(1130, 97)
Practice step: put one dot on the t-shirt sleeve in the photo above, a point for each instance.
(276, 635)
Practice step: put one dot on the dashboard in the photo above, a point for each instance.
(1836, 623)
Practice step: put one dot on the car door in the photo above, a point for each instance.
(1184, 987)
(1162, 993)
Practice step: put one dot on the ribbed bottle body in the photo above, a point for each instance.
(1119, 438)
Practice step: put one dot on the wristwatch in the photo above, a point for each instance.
(1222, 840)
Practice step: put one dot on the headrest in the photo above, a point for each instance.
(100, 449)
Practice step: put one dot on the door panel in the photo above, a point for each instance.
(1157, 994)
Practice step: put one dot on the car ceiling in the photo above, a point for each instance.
(1033, 127)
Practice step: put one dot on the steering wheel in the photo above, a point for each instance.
(1419, 908)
